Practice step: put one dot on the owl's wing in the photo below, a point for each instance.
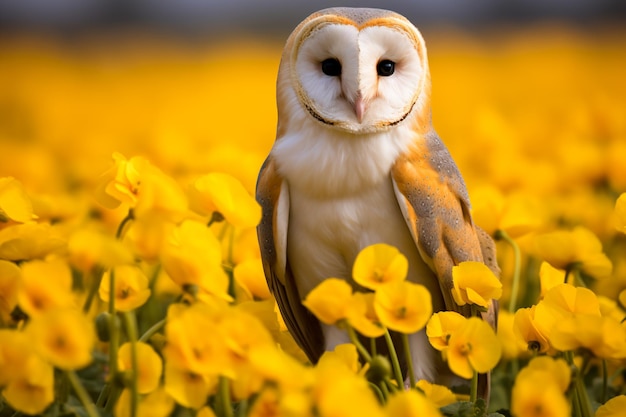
(273, 195)
(433, 198)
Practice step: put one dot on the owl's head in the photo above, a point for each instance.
(356, 70)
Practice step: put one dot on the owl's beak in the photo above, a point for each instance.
(359, 107)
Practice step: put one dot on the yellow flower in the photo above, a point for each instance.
(515, 214)
(147, 234)
(250, 275)
(362, 315)
(330, 300)
(557, 370)
(63, 337)
(379, 264)
(604, 336)
(267, 404)
(14, 202)
(565, 249)
(568, 299)
(205, 412)
(473, 347)
(131, 287)
(156, 404)
(194, 341)
(22, 242)
(512, 346)
(411, 403)
(149, 365)
(120, 184)
(610, 308)
(242, 333)
(441, 325)
(192, 256)
(16, 350)
(278, 367)
(334, 383)
(46, 285)
(33, 392)
(160, 193)
(549, 277)
(403, 306)
(10, 275)
(620, 213)
(88, 248)
(438, 394)
(528, 332)
(539, 392)
(140, 185)
(188, 388)
(223, 193)
(613, 407)
(474, 283)
(622, 298)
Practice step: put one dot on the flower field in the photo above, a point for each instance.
(130, 275)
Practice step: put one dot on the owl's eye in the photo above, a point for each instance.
(385, 68)
(331, 67)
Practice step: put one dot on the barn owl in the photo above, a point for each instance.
(356, 162)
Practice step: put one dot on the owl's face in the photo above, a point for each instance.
(358, 75)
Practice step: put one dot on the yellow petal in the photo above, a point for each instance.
(620, 213)
(549, 277)
(187, 388)
(379, 264)
(329, 301)
(475, 283)
(612, 408)
(473, 347)
(411, 403)
(63, 337)
(14, 202)
(250, 274)
(362, 315)
(225, 194)
(441, 325)
(131, 287)
(34, 392)
(403, 306)
(149, 365)
(438, 394)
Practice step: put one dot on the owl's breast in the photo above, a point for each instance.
(325, 163)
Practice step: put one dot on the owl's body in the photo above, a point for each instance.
(356, 162)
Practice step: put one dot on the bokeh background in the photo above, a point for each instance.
(529, 96)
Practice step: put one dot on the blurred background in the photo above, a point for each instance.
(529, 95)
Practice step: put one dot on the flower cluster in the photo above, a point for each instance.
(134, 286)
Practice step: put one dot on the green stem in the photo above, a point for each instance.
(378, 391)
(517, 260)
(395, 364)
(605, 381)
(130, 323)
(82, 394)
(96, 278)
(152, 330)
(474, 387)
(409, 360)
(231, 274)
(223, 392)
(580, 402)
(355, 340)
(120, 229)
(373, 348)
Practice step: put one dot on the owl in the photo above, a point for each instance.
(356, 162)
